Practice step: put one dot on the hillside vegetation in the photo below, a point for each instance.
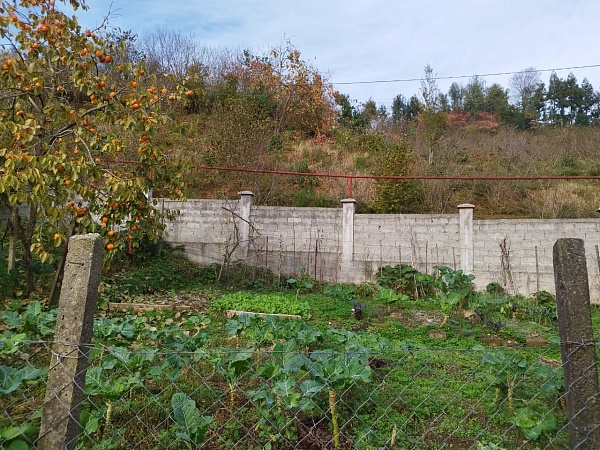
(277, 112)
(549, 151)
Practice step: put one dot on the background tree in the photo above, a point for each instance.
(565, 98)
(302, 100)
(587, 98)
(474, 101)
(523, 87)
(169, 51)
(395, 196)
(496, 100)
(433, 116)
(456, 94)
(69, 113)
(403, 110)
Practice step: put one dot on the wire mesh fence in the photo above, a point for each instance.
(290, 394)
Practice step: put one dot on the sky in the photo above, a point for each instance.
(354, 41)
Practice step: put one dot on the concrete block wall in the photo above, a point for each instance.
(337, 245)
(518, 253)
(205, 227)
(296, 240)
(420, 240)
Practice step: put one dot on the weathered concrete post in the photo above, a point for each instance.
(348, 207)
(577, 344)
(246, 200)
(74, 329)
(465, 221)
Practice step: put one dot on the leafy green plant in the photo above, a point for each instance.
(507, 370)
(341, 292)
(34, 321)
(11, 378)
(111, 328)
(191, 424)
(407, 280)
(233, 366)
(12, 342)
(274, 303)
(532, 424)
(337, 371)
(389, 296)
(446, 303)
(17, 437)
(456, 281)
(279, 395)
(302, 283)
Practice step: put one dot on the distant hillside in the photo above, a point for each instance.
(459, 152)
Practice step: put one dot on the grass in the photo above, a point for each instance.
(397, 376)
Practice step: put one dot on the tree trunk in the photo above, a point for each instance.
(12, 242)
(26, 235)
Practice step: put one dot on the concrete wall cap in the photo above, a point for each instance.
(246, 193)
(466, 205)
(349, 200)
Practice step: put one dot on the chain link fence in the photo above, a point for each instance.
(292, 396)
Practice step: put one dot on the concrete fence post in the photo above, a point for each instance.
(577, 344)
(74, 329)
(348, 207)
(246, 200)
(465, 220)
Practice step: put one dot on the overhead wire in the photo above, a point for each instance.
(456, 77)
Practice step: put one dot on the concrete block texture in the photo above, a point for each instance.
(487, 248)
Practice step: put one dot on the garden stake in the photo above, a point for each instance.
(510, 390)
(444, 321)
(336, 428)
(108, 418)
(393, 439)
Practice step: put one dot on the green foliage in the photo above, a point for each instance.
(17, 437)
(262, 303)
(342, 292)
(392, 195)
(456, 283)
(569, 166)
(191, 424)
(389, 296)
(12, 378)
(34, 322)
(302, 283)
(532, 424)
(169, 271)
(160, 364)
(308, 198)
(407, 280)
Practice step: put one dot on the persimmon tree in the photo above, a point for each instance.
(77, 133)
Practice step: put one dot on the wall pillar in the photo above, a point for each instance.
(465, 220)
(348, 207)
(246, 200)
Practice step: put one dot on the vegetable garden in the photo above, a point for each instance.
(416, 361)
